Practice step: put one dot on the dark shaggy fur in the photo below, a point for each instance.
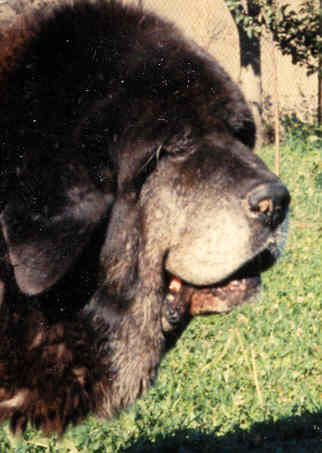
(125, 161)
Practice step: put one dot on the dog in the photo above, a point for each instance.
(131, 201)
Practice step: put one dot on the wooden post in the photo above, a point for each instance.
(276, 104)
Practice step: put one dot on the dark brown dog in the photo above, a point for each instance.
(131, 200)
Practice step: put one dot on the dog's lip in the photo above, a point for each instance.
(221, 297)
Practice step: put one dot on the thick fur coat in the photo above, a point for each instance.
(131, 200)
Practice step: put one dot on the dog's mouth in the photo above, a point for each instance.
(223, 297)
(218, 298)
(183, 299)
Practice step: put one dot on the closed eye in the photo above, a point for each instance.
(182, 145)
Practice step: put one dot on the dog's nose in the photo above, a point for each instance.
(269, 202)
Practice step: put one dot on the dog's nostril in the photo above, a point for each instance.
(265, 205)
(270, 201)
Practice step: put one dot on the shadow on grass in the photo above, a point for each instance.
(298, 434)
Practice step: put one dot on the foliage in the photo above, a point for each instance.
(251, 24)
(300, 135)
(297, 32)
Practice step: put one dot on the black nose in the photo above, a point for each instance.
(270, 202)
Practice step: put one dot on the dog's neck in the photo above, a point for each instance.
(129, 349)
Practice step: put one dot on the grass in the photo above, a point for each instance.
(250, 381)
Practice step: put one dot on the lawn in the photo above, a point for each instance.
(249, 381)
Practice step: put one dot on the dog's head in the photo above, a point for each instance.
(131, 200)
(207, 220)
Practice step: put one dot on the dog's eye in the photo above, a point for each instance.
(176, 151)
(179, 152)
(181, 145)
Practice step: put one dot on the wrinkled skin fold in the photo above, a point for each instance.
(131, 201)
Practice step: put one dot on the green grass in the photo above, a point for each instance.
(250, 381)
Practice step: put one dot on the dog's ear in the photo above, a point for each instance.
(48, 221)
